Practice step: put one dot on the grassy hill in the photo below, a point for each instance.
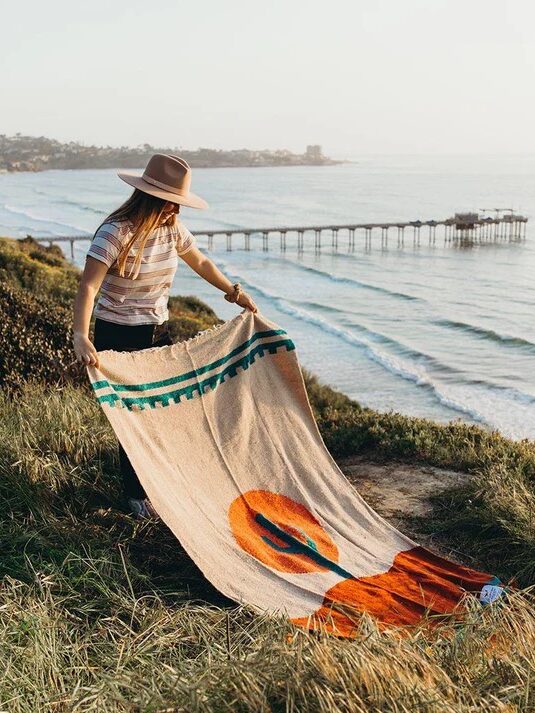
(99, 612)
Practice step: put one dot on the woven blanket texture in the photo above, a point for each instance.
(220, 431)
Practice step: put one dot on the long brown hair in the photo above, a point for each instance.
(143, 211)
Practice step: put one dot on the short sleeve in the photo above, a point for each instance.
(106, 244)
(185, 240)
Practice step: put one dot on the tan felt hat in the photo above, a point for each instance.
(167, 177)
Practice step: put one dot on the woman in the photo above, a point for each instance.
(132, 259)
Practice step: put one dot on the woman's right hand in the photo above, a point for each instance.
(85, 350)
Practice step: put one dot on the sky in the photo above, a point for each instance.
(358, 77)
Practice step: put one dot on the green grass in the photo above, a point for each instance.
(99, 612)
(102, 613)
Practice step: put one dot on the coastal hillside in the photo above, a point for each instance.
(37, 290)
(38, 153)
(104, 613)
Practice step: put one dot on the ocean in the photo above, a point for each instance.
(433, 330)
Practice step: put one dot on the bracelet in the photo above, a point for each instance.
(234, 296)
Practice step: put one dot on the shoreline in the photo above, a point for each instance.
(11, 172)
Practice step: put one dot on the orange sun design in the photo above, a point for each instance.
(246, 515)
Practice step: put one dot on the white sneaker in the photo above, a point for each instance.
(143, 509)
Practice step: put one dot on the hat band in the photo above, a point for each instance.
(164, 186)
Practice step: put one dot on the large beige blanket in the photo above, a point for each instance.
(221, 434)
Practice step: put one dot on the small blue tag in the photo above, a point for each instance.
(491, 591)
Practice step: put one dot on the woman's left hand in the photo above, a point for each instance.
(245, 300)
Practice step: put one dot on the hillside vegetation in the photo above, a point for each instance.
(39, 153)
(37, 290)
(100, 612)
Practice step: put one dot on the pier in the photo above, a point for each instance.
(463, 228)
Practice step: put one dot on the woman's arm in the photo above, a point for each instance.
(204, 267)
(92, 276)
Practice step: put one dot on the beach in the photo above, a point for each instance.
(426, 330)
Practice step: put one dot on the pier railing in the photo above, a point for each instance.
(465, 227)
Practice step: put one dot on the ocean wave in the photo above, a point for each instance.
(80, 206)
(356, 283)
(21, 231)
(499, 408)
(393, 342)
(510, 393)
(395, 365)
(507, 391)
(484, 333)
(46, 221)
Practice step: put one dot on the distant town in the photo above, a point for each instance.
(38, 153)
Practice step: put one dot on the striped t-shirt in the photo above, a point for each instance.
(143, 300)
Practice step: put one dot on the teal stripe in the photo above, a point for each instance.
(198, 388)
(190, 374)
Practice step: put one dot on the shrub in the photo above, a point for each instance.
(192, 306)
(36, 340)
(188, 316)
(28, 265)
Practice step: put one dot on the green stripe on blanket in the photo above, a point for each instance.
(197, 387)
(104, 383)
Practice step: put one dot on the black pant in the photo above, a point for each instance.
(126, 338)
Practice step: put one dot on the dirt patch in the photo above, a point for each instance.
(398, 491)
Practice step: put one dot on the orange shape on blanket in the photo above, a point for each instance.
(288, 515)
(418, 582)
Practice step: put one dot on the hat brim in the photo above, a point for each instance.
(191, 200)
